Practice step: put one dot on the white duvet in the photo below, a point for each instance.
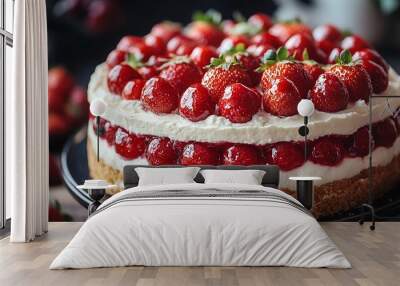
(188, 231)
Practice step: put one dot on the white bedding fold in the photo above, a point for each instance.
(200, 231)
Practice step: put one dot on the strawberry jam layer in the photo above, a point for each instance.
(329, 150)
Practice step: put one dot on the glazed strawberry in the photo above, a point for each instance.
(239, 103)
(205, 28)
(119, 75)
(179, 146)
(177, 41)
(202, 55)
(129, 145)
(166, 30)
(156, 43)
(159, 96)
(327, 151)
(185, 49)
(109, 133)
(313, 70)
(241, 155)
(298, 43)
(354, 43)
(384, 132)
(371, 55)
(354, 77)
(196, 104)
(261, 21)
(277, 65)
(281, 98)
(258, 51)
(326, 46)
(285, 30)
(128, 42)
(160, 151)
(142, 51)
(219, 76)
(360, 143)
(266, 38)
(329, 93)
(327, 32)
(334, 55)
(199, 154)
(251, 64)
(286, 155)
(232, 41)
(180, 72)
(379, 77)
(133, 89)
(115, 57)
(147, 72)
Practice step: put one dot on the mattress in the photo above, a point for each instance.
(201, 225)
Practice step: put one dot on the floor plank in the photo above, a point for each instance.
(375, 257)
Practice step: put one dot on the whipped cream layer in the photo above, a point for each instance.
(348, 168)
(262, 129)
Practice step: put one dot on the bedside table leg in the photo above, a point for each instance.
(305, 193)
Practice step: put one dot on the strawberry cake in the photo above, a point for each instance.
(225, 92)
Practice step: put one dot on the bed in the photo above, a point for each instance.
(201, 224)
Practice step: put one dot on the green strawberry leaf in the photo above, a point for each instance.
(269, 55)
(282, 54)
(346, 33)
(344, 58)
(244, 28)
(306, 56)
(133, 61)
(210, 16)
(238, 17)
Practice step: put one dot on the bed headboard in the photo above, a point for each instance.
(271, 177)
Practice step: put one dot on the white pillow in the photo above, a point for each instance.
(166, 176)
(248, 177)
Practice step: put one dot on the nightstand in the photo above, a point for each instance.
(304, 189)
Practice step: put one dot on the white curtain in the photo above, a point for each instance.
(26, 124)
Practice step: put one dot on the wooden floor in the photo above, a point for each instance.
(375, 257)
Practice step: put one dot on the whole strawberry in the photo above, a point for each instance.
(160, 151)
(282, 98)
(128, 145)
(354, 77)
(329, 93)
(199, 154)
(202, 55)
(239, 103)
(379, 77)
(119, 75)
(195, 103)
(241, 155)
(180, 72)
(280, 64)
(222, 73)
(284, 30)
(205, 28)
(328, 151)
(287, 155)
(159, 96)
(115, 57)
(371, 55)
(166, 30)
(313, 69)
